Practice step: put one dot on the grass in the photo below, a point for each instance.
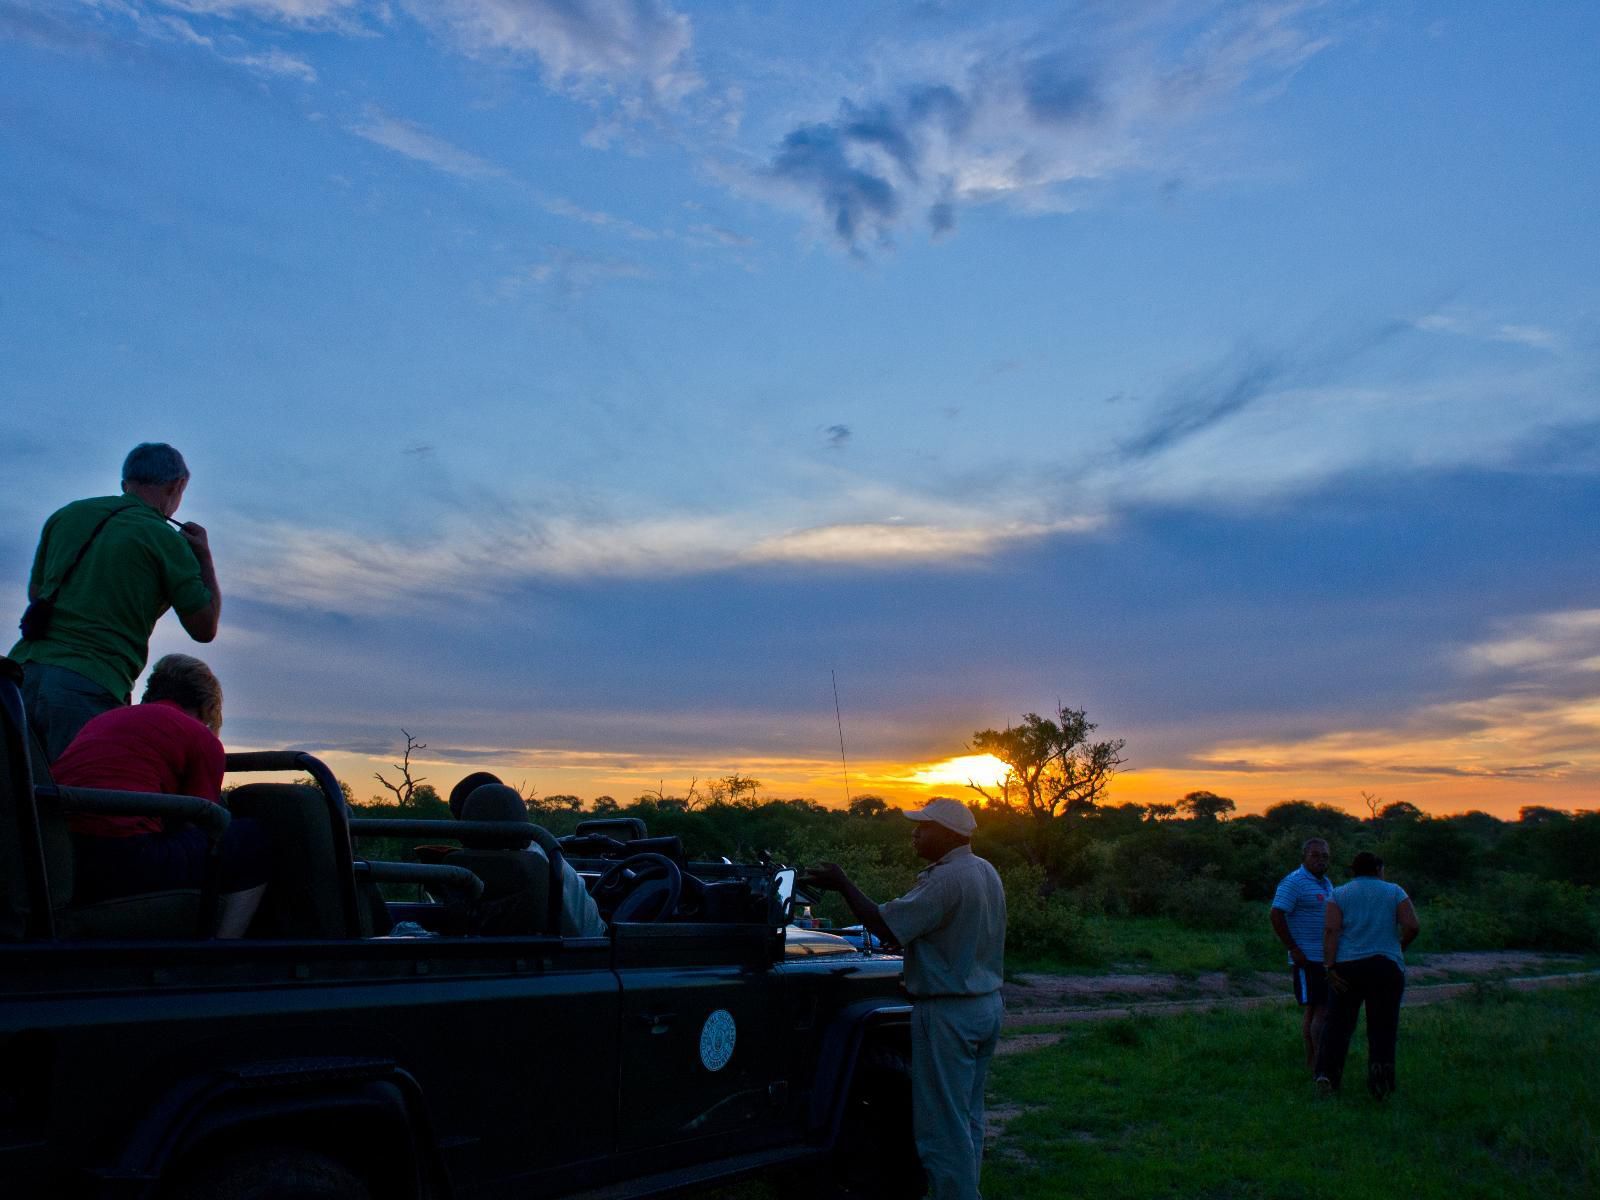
(1498, 1099)
(1160, 944)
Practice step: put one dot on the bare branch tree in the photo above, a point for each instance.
(406, 788)
(1373, 803)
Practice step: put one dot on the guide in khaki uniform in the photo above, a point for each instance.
(952, 926)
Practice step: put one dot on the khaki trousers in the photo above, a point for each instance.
(952, 1040)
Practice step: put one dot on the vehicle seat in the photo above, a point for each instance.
(166, 914)
(521, 884)
(302, 901)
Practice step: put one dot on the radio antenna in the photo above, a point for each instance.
(840, 719)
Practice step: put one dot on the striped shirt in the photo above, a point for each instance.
(1300, 898)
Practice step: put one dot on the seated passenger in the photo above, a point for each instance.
(165, 743)
(580, 915)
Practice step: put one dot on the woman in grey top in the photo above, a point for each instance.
(1368, 924)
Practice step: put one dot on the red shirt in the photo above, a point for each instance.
(143, 748)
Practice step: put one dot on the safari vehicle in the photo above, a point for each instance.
(139, 1058)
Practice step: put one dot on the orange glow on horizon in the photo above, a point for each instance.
(985, 770)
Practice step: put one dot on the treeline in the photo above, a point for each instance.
(1481, 883)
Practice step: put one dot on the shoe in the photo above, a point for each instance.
(1380, 1080)
(1325, 1087)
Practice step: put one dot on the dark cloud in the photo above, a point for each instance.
(1059, 92)
(1208, 397)
(837, 436)
(814, 157)
(1024, 120)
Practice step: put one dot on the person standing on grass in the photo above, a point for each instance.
(952, 925)
(1297, 919)
(1368, 925)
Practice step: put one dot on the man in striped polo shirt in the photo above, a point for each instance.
(1297, 916)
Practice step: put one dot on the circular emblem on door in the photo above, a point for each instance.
(717, 1036)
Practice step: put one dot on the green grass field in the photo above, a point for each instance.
(1499, 1098)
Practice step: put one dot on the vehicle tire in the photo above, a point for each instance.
(270, 1173)
(877, 1154)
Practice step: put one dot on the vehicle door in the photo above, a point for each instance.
(698, 1059)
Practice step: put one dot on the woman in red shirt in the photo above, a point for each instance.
(166, 743)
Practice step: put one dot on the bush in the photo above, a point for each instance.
(1204, 903)
(1046, 926)
(1514, 912)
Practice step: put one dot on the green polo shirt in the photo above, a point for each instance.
(137, 568)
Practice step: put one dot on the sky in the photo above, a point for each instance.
(588, 387)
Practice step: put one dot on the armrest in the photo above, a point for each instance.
(456, 878)
(449, 831)
(212, 818)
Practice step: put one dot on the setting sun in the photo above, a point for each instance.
(985, 770)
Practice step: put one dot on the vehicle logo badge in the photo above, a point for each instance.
(717, 1036)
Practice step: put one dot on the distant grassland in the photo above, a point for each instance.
(1500, 1097)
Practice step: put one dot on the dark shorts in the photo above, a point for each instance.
(158, 862)
(1310, 984)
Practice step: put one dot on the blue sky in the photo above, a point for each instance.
(578, 382)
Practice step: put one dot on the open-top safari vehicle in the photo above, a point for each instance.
(700, 1038)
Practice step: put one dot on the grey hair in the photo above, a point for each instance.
(188, 683)
(154, 463)
(1306, 845)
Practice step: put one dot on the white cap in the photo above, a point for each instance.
(952, 814)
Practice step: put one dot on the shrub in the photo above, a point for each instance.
(1041, 926)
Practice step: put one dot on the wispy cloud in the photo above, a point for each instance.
(415, 142)
(349, 572)
(570, 272)
(1024, 120)
(1541, 721)
(1463, 324)
(287, 12)
(1545, 645)
(635, 48)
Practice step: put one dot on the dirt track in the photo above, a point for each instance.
(1033, 1001)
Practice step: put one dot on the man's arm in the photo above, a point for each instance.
(1280, 926)
(201, 624)
(1332, 928)
(1405, 916)
(832, 877)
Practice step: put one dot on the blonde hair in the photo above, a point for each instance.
(189, 684)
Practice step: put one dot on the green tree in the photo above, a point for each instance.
(868, 806)
(1205, 806)
(1052, 763)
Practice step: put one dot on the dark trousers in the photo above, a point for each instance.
(1378, 982)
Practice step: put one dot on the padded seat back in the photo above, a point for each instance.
(303, 899)
(516, 889)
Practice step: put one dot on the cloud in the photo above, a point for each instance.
(287, 12)
(1023, 122)
(343, 571)
(1543, 722)
(276, 62)
(570, 272)
(585, 47)
(415, 142)
(837, 436)
(559, 206)
(1461, 324)
(1547, 645)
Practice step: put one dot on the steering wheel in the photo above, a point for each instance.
(629, 888)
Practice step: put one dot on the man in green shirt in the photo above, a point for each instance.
(134, 569)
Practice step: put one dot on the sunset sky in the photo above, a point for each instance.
(585, 385)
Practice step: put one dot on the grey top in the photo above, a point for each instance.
(952, 925)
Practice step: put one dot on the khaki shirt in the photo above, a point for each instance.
(953, 927)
